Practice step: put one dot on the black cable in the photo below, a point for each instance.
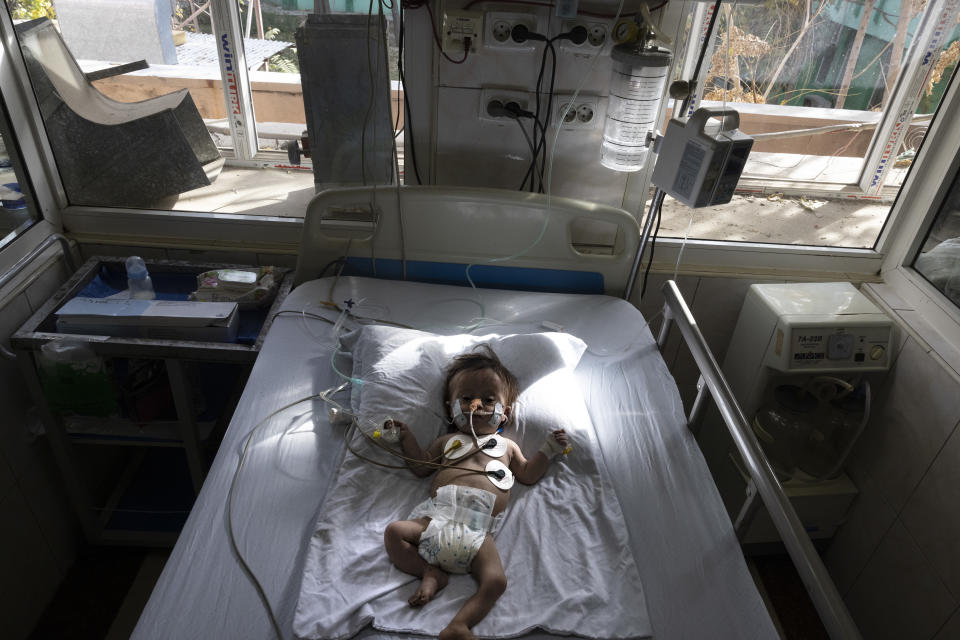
(703, 51)
(521, 33)
(530, 175)
(549, 112)
(531, 170)
(656, 209)
(540, 144)
(533, 151)
(408, 116)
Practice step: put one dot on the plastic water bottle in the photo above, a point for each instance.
(138, 280)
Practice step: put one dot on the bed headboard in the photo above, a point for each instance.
(447, 228)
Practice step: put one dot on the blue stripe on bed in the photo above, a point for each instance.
(483, 275)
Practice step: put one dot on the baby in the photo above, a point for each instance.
(449, 533)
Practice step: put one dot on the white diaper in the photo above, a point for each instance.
(460, 518)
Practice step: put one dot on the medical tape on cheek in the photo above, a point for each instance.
(456, 413)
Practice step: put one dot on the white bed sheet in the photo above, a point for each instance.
(694, 577)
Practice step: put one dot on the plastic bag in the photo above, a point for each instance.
(75, 379)
(249, 288)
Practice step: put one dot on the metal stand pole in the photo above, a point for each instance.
(655, 204)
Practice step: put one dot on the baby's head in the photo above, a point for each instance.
(478, 382)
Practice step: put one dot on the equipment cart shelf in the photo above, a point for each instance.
(132, 475)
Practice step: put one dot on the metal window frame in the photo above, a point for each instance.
(235, 77)
(939, 17)
(27, 124)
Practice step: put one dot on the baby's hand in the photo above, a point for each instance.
(555, 444)
(393, 431)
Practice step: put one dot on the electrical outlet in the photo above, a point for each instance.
(457, 27)
(598, 35)
(583, 114)
(522, 98)
(499, 24)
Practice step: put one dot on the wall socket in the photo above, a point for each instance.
(522, 98)
(583, 114)
(598, 35)
(497, 26)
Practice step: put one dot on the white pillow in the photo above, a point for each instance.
(403, 372)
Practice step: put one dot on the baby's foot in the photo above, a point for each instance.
(433, 581)
(457, 631)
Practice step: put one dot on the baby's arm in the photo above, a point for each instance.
(411, 449)
(528, 471)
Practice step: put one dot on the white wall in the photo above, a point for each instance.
(897, 559)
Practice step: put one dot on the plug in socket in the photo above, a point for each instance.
(598, 35)
(581, 115)
(522, 98)
(497, 26)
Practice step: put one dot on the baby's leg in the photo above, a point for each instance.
(401, 539)
(491, 583)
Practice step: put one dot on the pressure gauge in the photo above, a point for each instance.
(840, 346)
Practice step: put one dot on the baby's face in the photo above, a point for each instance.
(478, 391)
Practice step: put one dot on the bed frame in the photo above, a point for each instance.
(763, 482)
(390, 232)
(409, 233)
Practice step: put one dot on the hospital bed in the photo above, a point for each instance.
(237, 570)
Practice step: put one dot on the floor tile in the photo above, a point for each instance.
(951, 630)
(857, 539)
(30, 576)
(898, 595)
(932, 518)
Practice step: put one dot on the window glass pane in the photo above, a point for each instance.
(130, 156)
(17, 212)
(276, 82)
(811, 81)
(939, 258)
(120, 136)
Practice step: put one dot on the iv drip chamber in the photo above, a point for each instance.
(637, 87)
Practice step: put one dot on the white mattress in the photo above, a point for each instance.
(695, 580)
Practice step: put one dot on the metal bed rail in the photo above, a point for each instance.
(827, 600)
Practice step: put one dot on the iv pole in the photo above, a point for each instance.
(657, 201)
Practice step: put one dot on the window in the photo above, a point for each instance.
(938, 259)
(819, 187)
(17, 210)
(838, 96)
(218, 163)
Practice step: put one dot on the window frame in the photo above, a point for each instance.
(272, 234)
(27, 125)
(926, 313)
(30, 139)
(896, 117)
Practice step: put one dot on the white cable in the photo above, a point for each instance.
(233, 541)
(686, 234)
